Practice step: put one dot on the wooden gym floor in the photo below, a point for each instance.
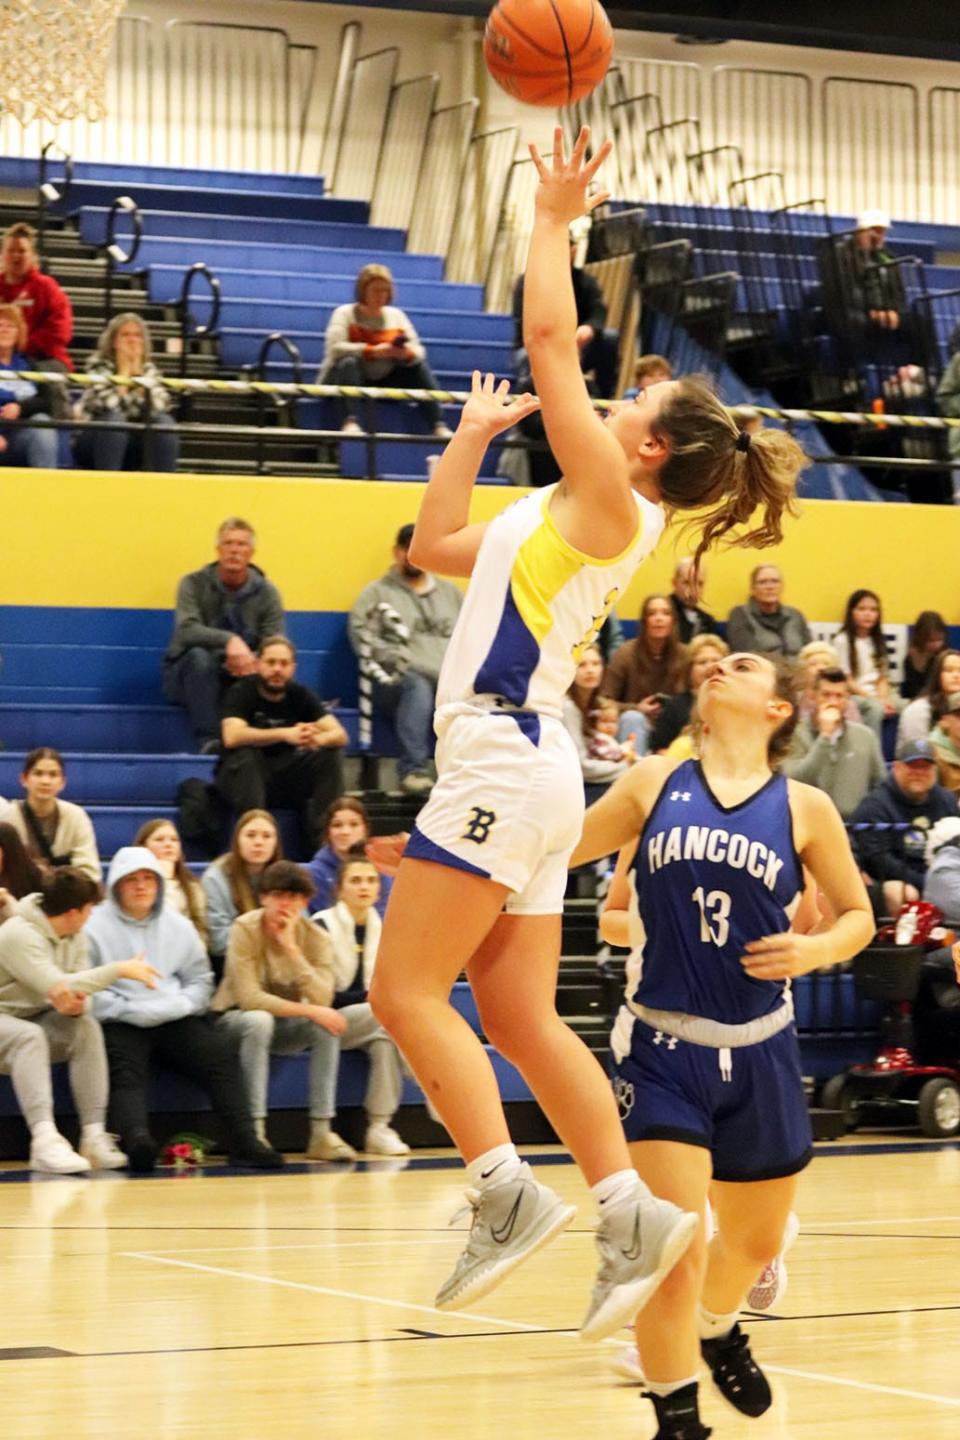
(219, 1305)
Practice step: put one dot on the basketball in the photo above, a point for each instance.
(548, 52)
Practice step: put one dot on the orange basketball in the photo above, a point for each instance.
(548, 52)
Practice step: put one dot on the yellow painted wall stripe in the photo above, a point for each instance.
(75, 538)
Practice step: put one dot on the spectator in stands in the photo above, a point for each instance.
(920, 716)
(182, 891)
(864, 293)
(676, 715)
(45, 306)
(279, 974)
(169, 1023)
(941, 885)
(928, 636)
(344, 828)
(646, 671)
(862, 650)
(280, 743)
(54, 831)
(837, 755)
(124, 352)
(45, 1017)
(948, 397)
(373, 342)
(945, 739)
(20, 400)
(19, 876)
(399, 628)
(649, 370)
(232, 882)
(890, 826)
(602, 758)
(354, 929)
(688, 582)
(599, 347)
(223, 612)
(764, 624)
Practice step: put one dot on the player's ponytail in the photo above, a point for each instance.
(726, 473)
(786, 687)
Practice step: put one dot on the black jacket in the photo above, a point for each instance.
(704, 624)
(897, 854)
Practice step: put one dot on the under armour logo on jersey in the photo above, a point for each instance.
(679, 794)
(625, 1095)
(671, 1041)
(478, 826)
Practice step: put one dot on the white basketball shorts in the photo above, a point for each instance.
(507, 805)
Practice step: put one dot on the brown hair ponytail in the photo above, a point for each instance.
(713, 469)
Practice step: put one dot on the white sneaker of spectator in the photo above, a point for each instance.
(102, 1151)
(382, 1140)
(52, 1154)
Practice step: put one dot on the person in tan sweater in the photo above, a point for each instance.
(55, 832)
(276, 993)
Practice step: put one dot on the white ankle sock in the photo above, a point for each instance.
(319, 1127)
(668, 1387)
(714, 1327)
(91, 1132)
(500, 1163)
(613, 1188)
(43, 1130)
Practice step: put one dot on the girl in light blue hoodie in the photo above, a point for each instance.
(173, 1024)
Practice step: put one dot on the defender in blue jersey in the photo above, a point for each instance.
(711, 878)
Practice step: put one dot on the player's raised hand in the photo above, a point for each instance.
(563, 192)
(492, 409)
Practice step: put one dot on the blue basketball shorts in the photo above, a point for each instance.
(745, 1105)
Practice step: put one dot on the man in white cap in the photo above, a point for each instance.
(883, 289)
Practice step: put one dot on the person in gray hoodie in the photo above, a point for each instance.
(400, 627)
(223, 612)
(45, 1017)
(169, 1023)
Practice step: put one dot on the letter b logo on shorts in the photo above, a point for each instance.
(478, 826)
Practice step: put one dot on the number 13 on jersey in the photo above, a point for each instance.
(714, 915)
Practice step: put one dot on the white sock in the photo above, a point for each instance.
(319, 1127)
(668, 1387)
(612, 1188)
(44, 1130)
(500, 1163)
(92, 1132)
(714, 1327)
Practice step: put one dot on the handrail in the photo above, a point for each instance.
(123, 205)
(293, 350)
(47, 192)
(199, 332)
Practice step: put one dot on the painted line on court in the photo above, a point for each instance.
(951, 1400)
(500, 1323)
(883, 1220)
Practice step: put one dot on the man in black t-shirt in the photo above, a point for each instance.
(280, 744)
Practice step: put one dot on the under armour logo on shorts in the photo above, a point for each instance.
(671, 1041)
(479, 825)
(625, 1095)
(679, 794)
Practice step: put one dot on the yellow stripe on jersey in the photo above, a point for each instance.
(540, 571)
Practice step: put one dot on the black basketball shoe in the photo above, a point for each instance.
(736, 1374)
(678, 1415)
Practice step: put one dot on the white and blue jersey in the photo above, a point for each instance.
(707, 879)
(534, 604)
(706, 1054)
(508, 803)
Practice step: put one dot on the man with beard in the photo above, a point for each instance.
(399, 628)
(280, 744)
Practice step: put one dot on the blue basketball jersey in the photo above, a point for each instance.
(707, 880)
